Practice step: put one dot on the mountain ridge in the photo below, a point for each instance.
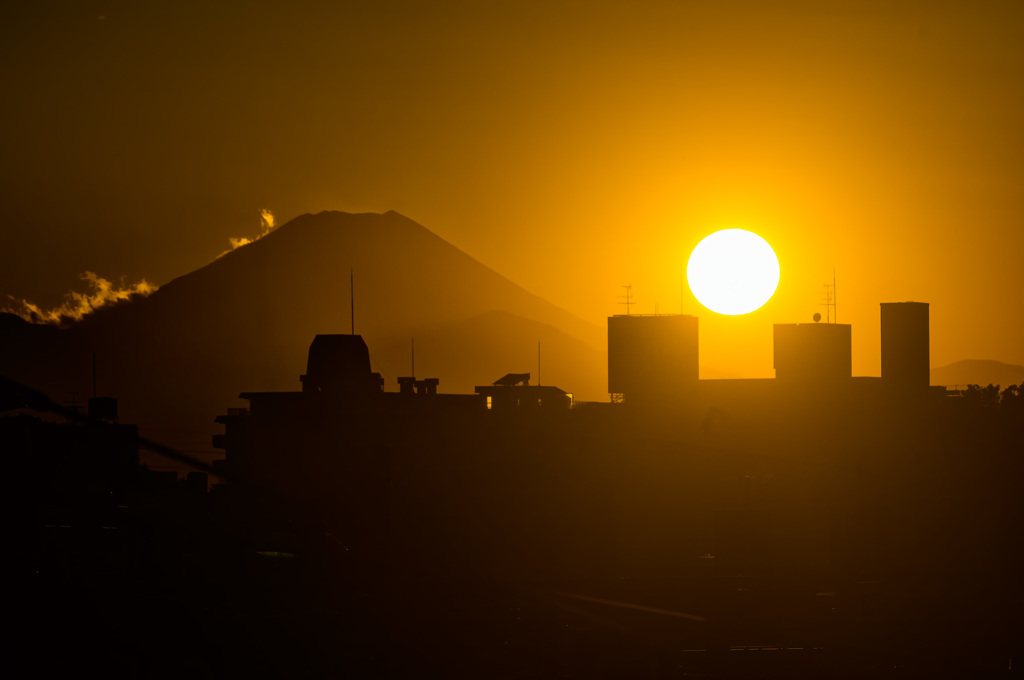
(978, 372)
(244, 323)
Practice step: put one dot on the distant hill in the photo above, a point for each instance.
(180, 356)
(978, 372)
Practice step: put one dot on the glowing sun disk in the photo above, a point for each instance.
(733, 271)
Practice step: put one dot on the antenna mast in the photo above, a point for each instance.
(829, 302)
(835, 309)
(628, 296)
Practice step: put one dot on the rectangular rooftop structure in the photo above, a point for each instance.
(812, 352)
(652, 356)
(905, 353)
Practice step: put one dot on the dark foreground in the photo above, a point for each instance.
(225, 608)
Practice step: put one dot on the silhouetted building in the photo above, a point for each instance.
(514, 391)
(340, 364)
(905, 358)
(339, 390)
(409, 385)
(652, 357)
(427, 483)
(812, 353)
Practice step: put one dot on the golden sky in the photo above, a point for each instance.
(573, 147)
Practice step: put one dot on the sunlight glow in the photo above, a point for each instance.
(733, 272)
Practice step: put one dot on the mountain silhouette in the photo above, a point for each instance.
(244, 322)
(978, 372)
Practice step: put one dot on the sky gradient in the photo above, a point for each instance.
(572, 147)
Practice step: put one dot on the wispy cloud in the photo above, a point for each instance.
(76, 305)
(102, 292)
(266, 225)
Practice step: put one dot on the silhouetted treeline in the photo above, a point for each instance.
(1009, 400)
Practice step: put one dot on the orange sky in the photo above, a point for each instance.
(573, 147)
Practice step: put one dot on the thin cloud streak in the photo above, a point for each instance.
(77, 305)
(266, 226)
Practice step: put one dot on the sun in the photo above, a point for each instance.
(733, 271)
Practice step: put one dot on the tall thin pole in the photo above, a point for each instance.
(629, 298)
(352, 293)
(835, 307)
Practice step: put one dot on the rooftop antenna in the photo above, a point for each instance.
(352, 294)
(827, 304)
(835, 309)
(628, 296)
